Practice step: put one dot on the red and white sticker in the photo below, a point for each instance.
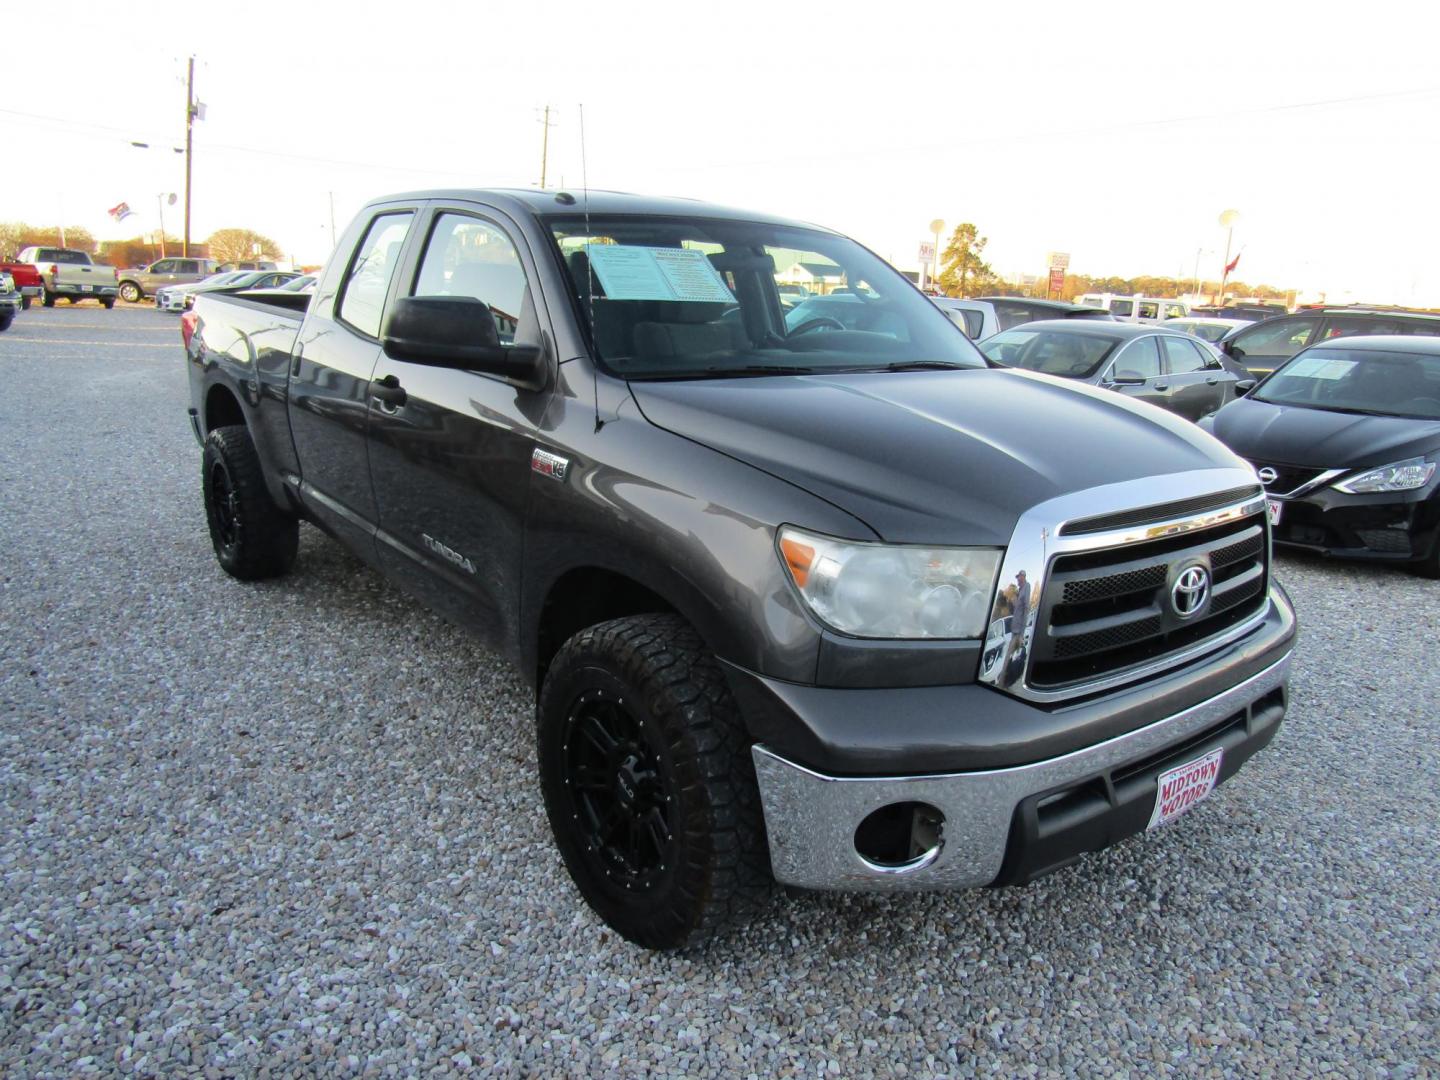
(1185, 785)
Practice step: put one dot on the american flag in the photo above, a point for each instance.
(120, 211)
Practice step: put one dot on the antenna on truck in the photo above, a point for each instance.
(589, 272)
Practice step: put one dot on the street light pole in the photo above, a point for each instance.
(160, 205)
(937, 227)
(189, 145)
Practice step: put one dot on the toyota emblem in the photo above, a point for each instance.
(1190, 591)
(1267, 475)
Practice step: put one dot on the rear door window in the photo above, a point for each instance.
(362, 303)
(1010, 315)
(1181, 356)
(1354, 325)
(1124, 308)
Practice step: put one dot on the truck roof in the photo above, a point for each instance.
(554, 201)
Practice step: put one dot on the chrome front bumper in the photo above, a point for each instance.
(811, 818)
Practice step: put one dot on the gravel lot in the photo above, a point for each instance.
(296, 827)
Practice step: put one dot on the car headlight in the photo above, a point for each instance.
(892, 590)
(1404, 475)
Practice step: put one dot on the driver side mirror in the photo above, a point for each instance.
(458, 332)
(1127, 378)
(1244, 386)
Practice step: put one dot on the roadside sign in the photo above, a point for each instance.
(1058, 260)
(1057, 280)
(927, 252)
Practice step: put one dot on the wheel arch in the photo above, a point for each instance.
(585, 594)
(222, 408)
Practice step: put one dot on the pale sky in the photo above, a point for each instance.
(1117, 133)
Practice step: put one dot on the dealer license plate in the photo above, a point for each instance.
(1180, 788)
(87, 288)
(1273, 508)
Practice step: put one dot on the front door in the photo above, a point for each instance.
(1198, 384)
(451, 462)
(1135, 372)
(330, 379)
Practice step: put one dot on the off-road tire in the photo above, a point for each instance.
(253, 538)
(714, 867)
(130, 292)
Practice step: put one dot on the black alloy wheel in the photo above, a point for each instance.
(252, 537)
(648, 781)
(620, 794)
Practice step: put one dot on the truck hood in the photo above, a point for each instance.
(1320, 438)
(932, 456)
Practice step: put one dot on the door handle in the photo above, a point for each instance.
(388, 390)
(1162, 386)
(1212, 381)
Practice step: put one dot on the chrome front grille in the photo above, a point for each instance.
(1105, 612)
(1094, 574)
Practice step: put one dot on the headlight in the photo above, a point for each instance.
(891, 590)
(1404, 475)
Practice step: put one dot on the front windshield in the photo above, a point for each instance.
(1358, 380)
(1053, 352)
(695, 297)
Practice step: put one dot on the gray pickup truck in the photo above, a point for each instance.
(845, 608)
(67, 274)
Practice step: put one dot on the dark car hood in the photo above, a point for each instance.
(932, 456)
(1319, 438)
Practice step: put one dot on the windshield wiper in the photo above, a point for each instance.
(725, 372)
(917, 365)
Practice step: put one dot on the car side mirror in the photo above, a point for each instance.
(1229, 349)
(458, 332)
(1127, 379)
(1244, 386)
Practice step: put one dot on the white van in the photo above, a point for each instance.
(1137, 308)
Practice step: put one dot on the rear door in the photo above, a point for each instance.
(1198, 385)
(451, 462)
(330, 373)
(1139, 360)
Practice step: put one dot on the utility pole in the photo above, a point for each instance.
(189, 145)
(545, 147)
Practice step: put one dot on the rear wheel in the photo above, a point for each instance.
(648, 782)
(130, 292)
(25, 302)
(48, 299)
(253, 538)
(108, 301)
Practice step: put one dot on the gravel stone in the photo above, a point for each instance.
(294, 828)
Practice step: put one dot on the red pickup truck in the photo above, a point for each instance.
(27, 280)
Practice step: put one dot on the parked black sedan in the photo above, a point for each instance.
(1164, 367)
(1346, 439)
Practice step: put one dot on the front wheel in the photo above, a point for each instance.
(130, 292)
(5, 321)
(25, 303)
(253, 538)
(648, 782)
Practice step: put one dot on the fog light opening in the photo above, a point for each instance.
(900, 838)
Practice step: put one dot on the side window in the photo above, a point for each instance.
(1138, 360)
(189, 266)
(1009, 315)
(1181, 356)
(1351, 326)
(1174, 311)
(164, 266)
(1281, 338)
(468, 256)
(1150, 311)
(1123, 308)
(363, 300)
